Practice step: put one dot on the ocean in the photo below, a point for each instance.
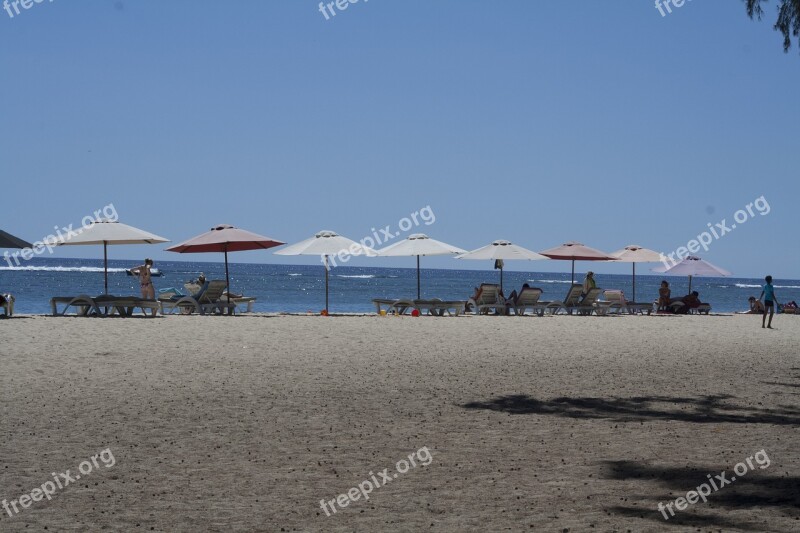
(301, 288)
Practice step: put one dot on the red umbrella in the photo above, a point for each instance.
(576, 251)
(225, 238)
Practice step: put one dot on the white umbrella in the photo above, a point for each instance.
(326, 243)
(105, 232)
(636, 254)
(502, 250)
(419, 244)
(692, 266)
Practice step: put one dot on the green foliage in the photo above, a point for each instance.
(788, 22)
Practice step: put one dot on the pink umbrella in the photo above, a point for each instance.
(692, 266)
(576, 251)
(225, 238)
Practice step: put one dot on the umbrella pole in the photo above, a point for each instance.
(105, 264)
(690, 284)
(418, 291)
(227, 277)
(573, 271)
(326, 283)
(501, 278)
(634, 282)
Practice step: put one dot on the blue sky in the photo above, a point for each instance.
(537, 122)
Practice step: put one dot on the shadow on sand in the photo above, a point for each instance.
(753, 491)
(710, 409)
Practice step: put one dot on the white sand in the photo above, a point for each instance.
(246, 423)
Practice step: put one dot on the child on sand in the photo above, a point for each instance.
(769, 302)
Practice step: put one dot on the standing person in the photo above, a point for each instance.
(769, 301)
(145, 280)
(588, 283)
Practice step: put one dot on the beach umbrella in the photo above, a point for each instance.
(9, 241)
(225, 238)
(418, 245)
(108, 232)
(692, 266)
(575, 251)
(636, 254)
(500, 251)
(326, 243)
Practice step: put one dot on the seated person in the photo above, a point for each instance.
(197, 295)
(690, 301)
(233, 295)
(475, 292)
(512, 298)
(756, 307)
(588, 284)
(664, 299)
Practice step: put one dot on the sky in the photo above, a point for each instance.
(537, 122)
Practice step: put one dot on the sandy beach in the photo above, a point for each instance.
(246, 423)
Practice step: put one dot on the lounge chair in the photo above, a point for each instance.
(437, 307)
(104, 305)
(240, 300)
(396, 306)
(125, 306)
(7, 304)
(583, 305)
(702, 309)
(592, 303)
(209, 300)
(528, 298)
(572, 299)
(84, 305)
(488, 297)
(617, 300)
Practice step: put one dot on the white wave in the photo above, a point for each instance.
(60, 269)
(746, 286)
(294, 274)
(359, 276)
(548, 281)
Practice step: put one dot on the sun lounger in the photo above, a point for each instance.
(528, 298)
(209, 301)
(84, 305)
(105, 305)
(393, 306)
(702, 309)
(488, 297)
(618, 302)
(125, 306)
(437, 307)
(241, 300)
(572, 299)
(7, 304)
(591, 303)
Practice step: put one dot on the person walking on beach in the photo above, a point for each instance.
(145, 280)
(769, 302)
